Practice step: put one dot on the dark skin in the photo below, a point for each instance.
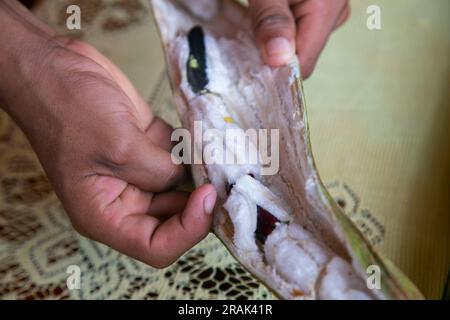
(105, 153)
(285, 27)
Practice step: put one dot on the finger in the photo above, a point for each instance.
(274, 28)
(159, 132)
(312, 35)
(315, 24)
(343, 17)
(164, 205)
(138, 161)
(158, 244)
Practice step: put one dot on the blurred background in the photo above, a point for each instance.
(379, 108)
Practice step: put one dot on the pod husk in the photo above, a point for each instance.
(394, 284)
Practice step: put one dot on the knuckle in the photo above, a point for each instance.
(122, 151)
(78, 46)
(76, 68)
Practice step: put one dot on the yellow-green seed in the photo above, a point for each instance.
(193, 63)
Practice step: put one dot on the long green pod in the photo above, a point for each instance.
(309, 248)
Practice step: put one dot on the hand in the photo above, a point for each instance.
(105, 153)
(283, 27)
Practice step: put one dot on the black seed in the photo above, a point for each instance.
(196, 64)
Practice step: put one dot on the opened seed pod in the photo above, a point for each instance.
(276, 217)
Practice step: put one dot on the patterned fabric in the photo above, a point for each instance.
(381, 177)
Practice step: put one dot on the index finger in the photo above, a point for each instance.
(315, 23)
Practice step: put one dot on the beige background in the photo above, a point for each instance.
(380, 121)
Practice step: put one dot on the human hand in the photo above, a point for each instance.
(103, 150)
(283, 27)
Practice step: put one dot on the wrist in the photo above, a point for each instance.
(24, 44)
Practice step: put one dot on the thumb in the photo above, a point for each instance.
(159, 243)
(182, 231)
(274, 28)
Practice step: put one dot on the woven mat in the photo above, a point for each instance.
(379, 109)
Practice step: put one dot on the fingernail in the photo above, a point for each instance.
(209, 202)
(279, 47)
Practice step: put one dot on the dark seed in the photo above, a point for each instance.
(196, 64)
(265, 224)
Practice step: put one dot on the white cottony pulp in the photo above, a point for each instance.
(302, 257)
